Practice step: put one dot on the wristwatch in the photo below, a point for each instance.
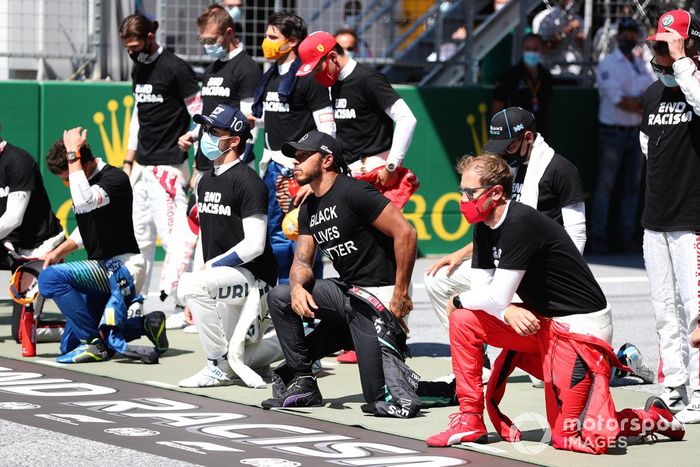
(390, 166)
(72, 156)
(456, 302)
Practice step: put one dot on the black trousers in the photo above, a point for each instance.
(345, 322)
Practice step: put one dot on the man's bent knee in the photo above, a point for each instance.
(278, 298)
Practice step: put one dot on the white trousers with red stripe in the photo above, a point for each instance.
(672, 261)
(160, 207)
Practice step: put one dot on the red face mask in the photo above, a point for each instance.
(473, 211)
(328, 75)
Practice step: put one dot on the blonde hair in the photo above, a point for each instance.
(491, 169)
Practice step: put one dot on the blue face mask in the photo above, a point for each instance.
(235, 12)
(531, 59)
(668, 80)
(210, 147)
(215, 50)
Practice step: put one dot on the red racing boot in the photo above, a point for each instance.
(464, 427)
(664, 421)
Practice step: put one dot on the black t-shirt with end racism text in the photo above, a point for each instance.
(224, 200)
(289, 121)
(559, 186)
(20, 172)
(672, 198)
(557, 280)
(108, 230)
(227, 82)
(160, 89)
(340, 222)
(359, 103)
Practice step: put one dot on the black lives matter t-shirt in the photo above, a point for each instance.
(108, 231)
(672, 198)
(340, 222)
(289, 121)
(557, 280)
(227, 82)
(160, 89)
(559, 186)
(224, 200)
(359, 101)
(20, 172)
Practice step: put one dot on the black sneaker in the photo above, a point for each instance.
(154, 329)
(301, 392)
(142, 353)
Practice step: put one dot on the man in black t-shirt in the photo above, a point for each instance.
(543, 180)
(366, 108)
(528, 84)
(518, 249)
(231, 79)
(94, 294)
(373, 248)
(166, 94)
(227, 295)
(28, 226)
(670, 138)
(288, 107)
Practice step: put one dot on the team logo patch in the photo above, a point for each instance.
(18, 406)
(518, 127)
(320, 48)
(131, 432)
(304, 137)
(667, 20)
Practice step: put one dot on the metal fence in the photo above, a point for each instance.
(45, 38)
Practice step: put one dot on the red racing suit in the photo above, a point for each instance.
(574, 367)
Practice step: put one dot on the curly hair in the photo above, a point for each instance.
(491, 168)
(56, 157)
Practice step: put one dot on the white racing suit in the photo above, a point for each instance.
(230, 311)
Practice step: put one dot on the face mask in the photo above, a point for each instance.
(328, 75)
(531, 59)
(235, 12)
(272, 49)
(215, 50)
(142, 55)
(473, 211)
(350, 54)
(210, 147)
(515, 159)
(668, 80)
(627, 46)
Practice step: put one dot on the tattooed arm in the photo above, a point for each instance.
(301, 276)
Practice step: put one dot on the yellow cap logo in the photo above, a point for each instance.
(320, 48)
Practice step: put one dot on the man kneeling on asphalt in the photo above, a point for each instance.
(373, 248)
(94, 295)
(560, 332)
(227, 295)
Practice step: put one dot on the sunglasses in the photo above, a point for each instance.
(470, 191)
(208, 41)
(666, 70)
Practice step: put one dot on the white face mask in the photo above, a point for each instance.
(235, 12)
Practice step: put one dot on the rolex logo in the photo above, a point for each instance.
(114, 144)
(479, 140)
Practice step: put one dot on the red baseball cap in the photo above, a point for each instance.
(313, 49)
(679, 20)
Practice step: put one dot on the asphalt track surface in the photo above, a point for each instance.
(59, 432)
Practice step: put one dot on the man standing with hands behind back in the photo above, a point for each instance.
(671, 220)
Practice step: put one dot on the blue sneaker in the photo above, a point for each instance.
(95, 351)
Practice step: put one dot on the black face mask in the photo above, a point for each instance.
(627, 46)
(514, 159)
(142, 55)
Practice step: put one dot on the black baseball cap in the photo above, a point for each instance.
(317, 141)
(227, 118)
(507, 126)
